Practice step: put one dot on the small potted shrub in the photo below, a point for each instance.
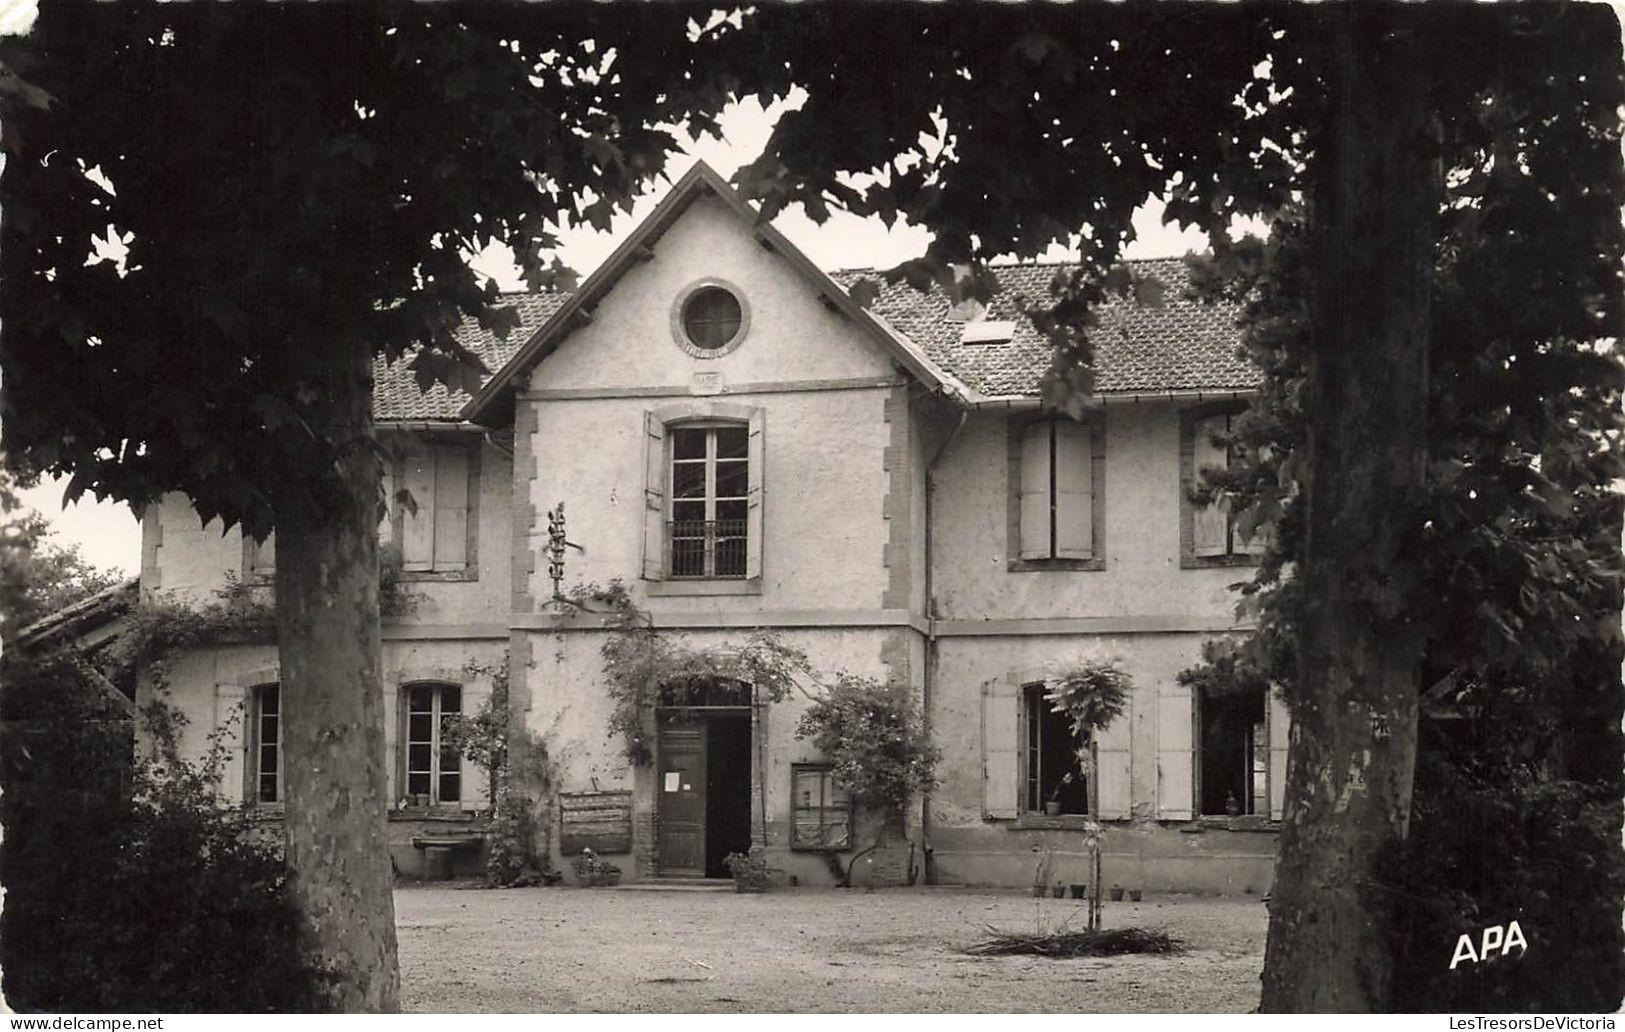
(1044, 872)
(1052, 805)
(749, 870)
(592, 871)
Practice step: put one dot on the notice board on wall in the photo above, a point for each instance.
(601, 821)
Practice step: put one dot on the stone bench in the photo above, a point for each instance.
(438, 849)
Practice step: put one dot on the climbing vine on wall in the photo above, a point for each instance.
(645, 667)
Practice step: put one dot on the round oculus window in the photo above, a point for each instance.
(711, 318)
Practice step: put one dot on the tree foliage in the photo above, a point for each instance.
(877, 745)
(129, 888)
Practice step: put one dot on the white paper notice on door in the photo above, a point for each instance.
(674, 779)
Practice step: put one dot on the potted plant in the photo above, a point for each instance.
(592, 872)
(1117, 893)
(1044, 872)
(748, 869)
(1134, 895)
(1058, 890)
(1080, 890)
(1052, 805)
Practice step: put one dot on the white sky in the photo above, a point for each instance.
(108, 533)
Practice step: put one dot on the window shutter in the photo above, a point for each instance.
(1074, 510)
(1280, 736)
(386, 477)
(1210, 524)
(450, 507)
(231, 719)
(1174, 756)
(1001, 750)
(654, 497)
(1112, 768)
(476, 786)
(417, 529)
(1034, 491)
(753, 506)
(262, 556)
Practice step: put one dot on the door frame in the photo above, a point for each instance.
(758, 836)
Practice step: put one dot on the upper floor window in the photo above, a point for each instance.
(1057, 502)
(437, 537)
(710, 318)
(437, 541)
(432, 768)
(710, 484)
(704, 493)
(265, 743)
(1210, 534)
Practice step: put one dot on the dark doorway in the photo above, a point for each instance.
(727, 789)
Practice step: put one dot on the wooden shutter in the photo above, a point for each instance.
(1175, 723)
(417, 528)
(1001, 750)
(1034, 491)
(654, 497)
(1112, 765)
(1074, 507)
(451, 465)
(753, 507)
(1210, 524)
(231, 719)
(1280, 736)
(476, 790)
(262, 556)
(386, 477)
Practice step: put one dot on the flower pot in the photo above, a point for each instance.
(1052, 808)
(1058, 891)
(1134, 895)
(1080, 891)
(1040, 891)
(1117, 894)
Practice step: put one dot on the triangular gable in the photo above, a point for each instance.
(493, 405)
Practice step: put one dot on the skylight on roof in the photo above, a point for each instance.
(988, 331)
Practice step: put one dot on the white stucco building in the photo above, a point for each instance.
(746, 447)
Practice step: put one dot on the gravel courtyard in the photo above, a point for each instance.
(805, 950)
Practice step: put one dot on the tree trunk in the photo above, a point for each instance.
(1354, 709)
(333, 715)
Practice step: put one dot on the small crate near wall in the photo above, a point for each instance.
(600, 821)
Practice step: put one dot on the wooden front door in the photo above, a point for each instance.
(681, 788)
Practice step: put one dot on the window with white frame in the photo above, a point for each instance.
(432, 769)
(1210, 530)
(265, 744)
(1056, 504)
(703, 520)
(710, 485)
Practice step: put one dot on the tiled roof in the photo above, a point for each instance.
(1182, 344)
(395, 392)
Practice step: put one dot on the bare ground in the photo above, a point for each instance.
(805, 950)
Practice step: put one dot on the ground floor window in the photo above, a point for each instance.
(265, 746)
(1233, 747)
(434, 770)
(1054, 776)
(822, 816)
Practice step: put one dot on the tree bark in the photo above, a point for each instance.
(1354, 709)
(333, 715)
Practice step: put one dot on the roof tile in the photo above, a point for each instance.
(1182, 344)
